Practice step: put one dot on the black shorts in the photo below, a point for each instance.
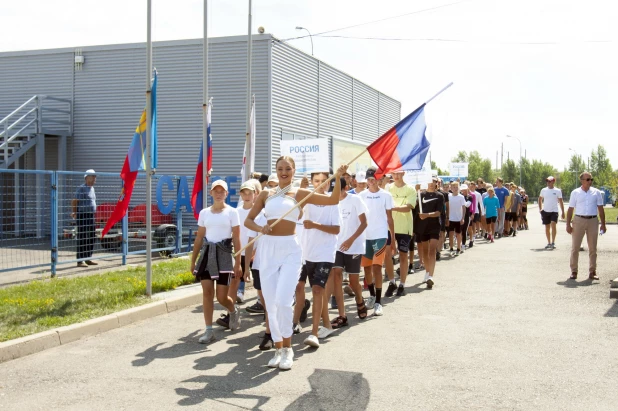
(490, 220)
(317, 273)
(442, 222)
(224, 278)
(454, 226)
(256, 279)
(548, 218)
(350, 263)
(524, 209)
(477, 218)
(403, 242)
(388, 239)
(431, 235)
(242, 266)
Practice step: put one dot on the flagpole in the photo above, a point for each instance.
(148, 150)
(304, 200)
(248, 163)
(205, 110)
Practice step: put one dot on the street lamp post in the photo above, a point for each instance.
(519, 156)
(576, 171)
(310, 36)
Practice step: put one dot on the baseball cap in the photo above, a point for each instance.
(219, 183)
(90, 172)
(247, 185)
(370, 173)
(361, 177)
(551, 178)
(273, 178)
(463, 187)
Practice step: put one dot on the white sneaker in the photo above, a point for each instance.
(208, 336)
(235, 318)
(312, 341)
(240, 297)
(377, 310)
(276, 360)
(463, 248)
(287, 358)
(370, 302)
(324, 332)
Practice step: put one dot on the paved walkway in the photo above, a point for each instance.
(502, 330)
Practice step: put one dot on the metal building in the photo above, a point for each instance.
(101, 96)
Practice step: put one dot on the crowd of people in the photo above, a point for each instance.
(348, 225)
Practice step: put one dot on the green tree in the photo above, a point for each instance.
(534, 174)
(568, 179)
(477, 166)
(434, 166)
(600, 167)
(510, 172)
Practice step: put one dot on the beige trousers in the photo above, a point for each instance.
(589, 227)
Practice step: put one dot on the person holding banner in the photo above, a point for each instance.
(280, 253)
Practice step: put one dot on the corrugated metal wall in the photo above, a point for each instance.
(312, 99)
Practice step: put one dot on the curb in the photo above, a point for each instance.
(31, 344)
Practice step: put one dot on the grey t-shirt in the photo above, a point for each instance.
(515, 202)
(86, 199)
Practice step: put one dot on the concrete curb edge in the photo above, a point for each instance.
(21, 347)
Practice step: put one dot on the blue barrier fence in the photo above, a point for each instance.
(38, 228)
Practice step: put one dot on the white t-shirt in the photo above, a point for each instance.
(218, 225)
(350, 209)
(550, 199)
(377, 204)
(261, 221)
(317, 245)
(244, 231)
(455, 212)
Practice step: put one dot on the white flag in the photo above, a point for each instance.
(252, 140)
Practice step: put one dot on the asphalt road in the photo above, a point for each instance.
(502, 329)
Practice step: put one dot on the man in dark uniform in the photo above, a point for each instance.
(431, 207)
(84, 207)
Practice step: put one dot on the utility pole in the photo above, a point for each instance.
(496, 160)
(501, 155)
(249, 166)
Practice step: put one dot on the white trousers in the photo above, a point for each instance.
(280, 265)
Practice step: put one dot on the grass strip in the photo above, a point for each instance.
(44, 304)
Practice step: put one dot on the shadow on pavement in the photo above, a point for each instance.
(612, 312)
(187, 346)
(334, 389)
(576, 284)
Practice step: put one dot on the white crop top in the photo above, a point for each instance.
(279, 203)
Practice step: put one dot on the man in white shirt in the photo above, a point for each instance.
(379, 223)
(587, 202)
(457, 211)
(549, 199)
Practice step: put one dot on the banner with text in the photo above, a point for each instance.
(310, 155)
(458, 169)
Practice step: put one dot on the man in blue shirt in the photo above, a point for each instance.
(84, 207)
(502, 193)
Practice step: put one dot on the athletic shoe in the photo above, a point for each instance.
(553, 246)
(471, 244)
(491, 238)
(208, 336)
(224, 321)
(401, 291)
(287, 358)
(297, 328)
(445, 246)
(438, 256)
(303, 314)
(463, 248)
(486, 236)
(548, 246)
(430, 283)
(453, 254)
(511, 232)
(410, 269)
(370, 302)
(333, 303)
(377, 310)
(267, 342)
(346, 278)
(240, 298)
(349, 291)
(459, 251)
(324, 332)
(235, 318)
(256, 308)
(276, 360)
(390, 290)
(312, 341)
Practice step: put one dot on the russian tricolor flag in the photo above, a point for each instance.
(403, 147)
(198, 185)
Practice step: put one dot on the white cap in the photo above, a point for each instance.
(90, 172)
(360, 177)
(463, 187)
(273, 178)
(219, 183)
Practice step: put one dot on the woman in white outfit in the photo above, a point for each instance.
(280, 253)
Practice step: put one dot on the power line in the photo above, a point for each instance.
(380, 20)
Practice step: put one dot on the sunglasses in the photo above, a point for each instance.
(587, 179)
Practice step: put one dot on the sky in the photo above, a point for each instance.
(544, 71)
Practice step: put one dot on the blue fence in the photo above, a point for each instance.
(38, 227)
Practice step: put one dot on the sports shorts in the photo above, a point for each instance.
(477, 218)
(548, 218)
(490, 220)
(454, 226)
(317, 273)
(224, 278)
(375, 252)
(350, 263)
(403, 242)
(257, 284)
